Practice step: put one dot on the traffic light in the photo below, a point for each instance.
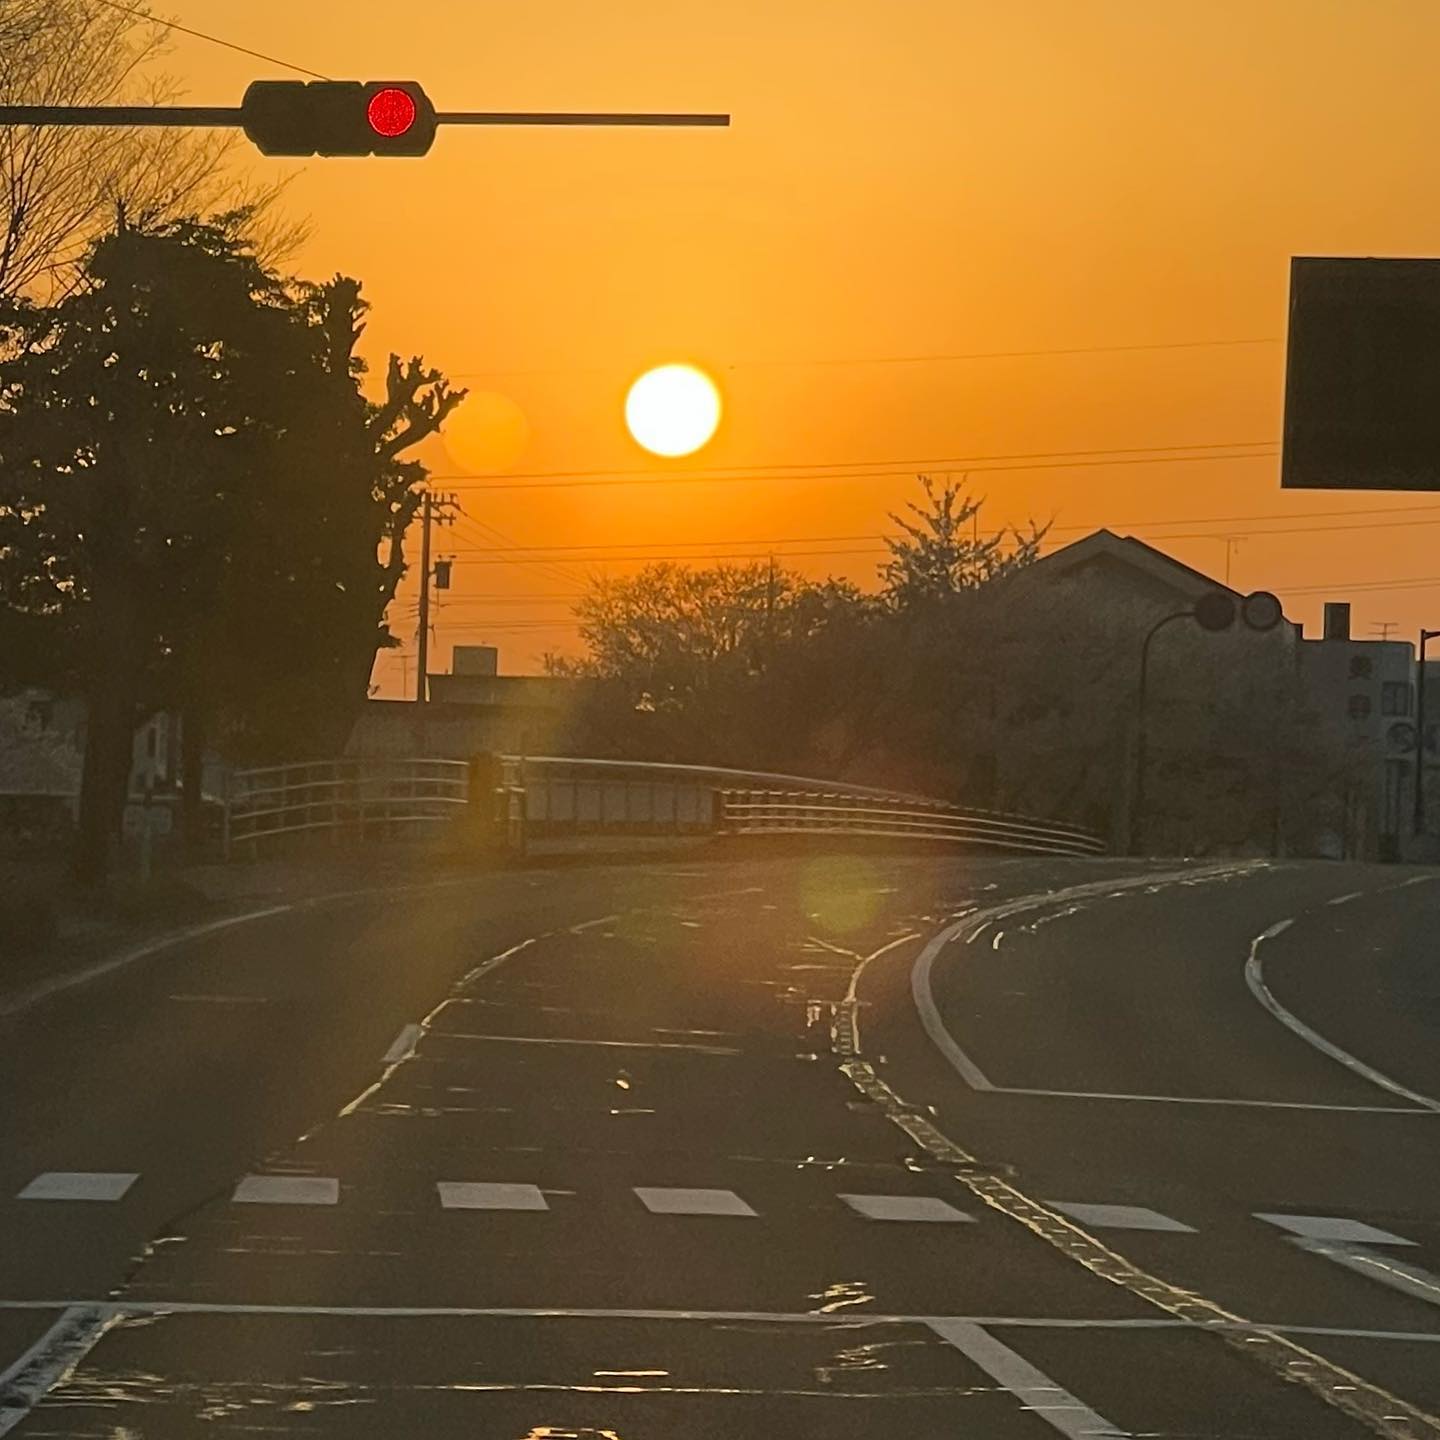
(338, 117)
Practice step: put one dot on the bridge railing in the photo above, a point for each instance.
(535, 798)
(368, 797)
(771, 812)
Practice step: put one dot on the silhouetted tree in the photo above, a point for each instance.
(940, 553)
(193, 495)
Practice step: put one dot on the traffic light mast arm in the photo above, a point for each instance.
(573, 117)
(149, 115)
(201, 115)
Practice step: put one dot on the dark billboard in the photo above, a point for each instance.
(1362, 375)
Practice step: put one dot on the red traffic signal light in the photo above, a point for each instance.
(391, 111)
(338, 117)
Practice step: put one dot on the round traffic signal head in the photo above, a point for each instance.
(391, 111)
(1215, 610)
(1261, 610)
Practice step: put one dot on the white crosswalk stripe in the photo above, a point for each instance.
(78, 1185)
(1121, 1217)
(287, 1190)
(480, 1195)
(668, 1200)
(924, 1208)
(1333, 1227)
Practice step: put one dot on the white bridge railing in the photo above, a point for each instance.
(517, 800)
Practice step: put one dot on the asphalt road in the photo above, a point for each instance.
(854, 1146)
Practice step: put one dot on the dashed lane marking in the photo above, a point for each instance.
(1332, 1227)
(1344, 899)
(287, 1190)
(477, 1195)
(925, 1208)
(665, 1200)
(79, 1185)
(1121, 1217)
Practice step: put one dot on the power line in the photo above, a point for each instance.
(701, 547)
(931, 358)
(971, 467)
(213, 39)
(870, 466)
(489, 533)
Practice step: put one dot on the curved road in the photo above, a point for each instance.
(854, 1146)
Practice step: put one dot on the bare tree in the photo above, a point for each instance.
(59, 187)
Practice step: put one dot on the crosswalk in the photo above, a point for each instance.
(90, 1186)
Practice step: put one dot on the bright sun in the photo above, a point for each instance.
(673, 410)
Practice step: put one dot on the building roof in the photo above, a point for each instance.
(1103, 549)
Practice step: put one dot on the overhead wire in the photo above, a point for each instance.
(941, 357)
(145, 15)
(865, 468)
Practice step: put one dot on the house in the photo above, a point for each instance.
(1352, 703)
(474, 709)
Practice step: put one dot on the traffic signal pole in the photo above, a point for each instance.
(336, 117)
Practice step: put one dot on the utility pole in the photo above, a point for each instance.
(1231, 541)
(1419, 824)
(422, 688)
(434, 510)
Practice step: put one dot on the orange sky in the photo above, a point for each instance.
(919, 178)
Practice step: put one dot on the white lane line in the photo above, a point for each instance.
(79, 1185)
(486, 1195)
(585, 925)
(1278, 928)
(1332, 1227)
(34, 994)
(1212, 1100)
(1121, 1217)
(108, 1308)
(287, 1190)
(1035, 1390)
(50, 1360)
(465, 981)
(995, 943)
(926, 1208)
(924, 998)
(1255, 979)
(402, 1047)
(668, 1200)
(220, 999)
(585, 1041)
(922, 990)
(21, 1000)
(1397, 1274)
(724, 894)
(1345, 899)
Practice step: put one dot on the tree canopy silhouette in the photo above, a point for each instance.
(199, 507)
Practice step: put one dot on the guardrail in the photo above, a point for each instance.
(367, 797)
(518, 799)
(768, 812)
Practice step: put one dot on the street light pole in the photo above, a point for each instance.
(1137, 808)
(1419, 821)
